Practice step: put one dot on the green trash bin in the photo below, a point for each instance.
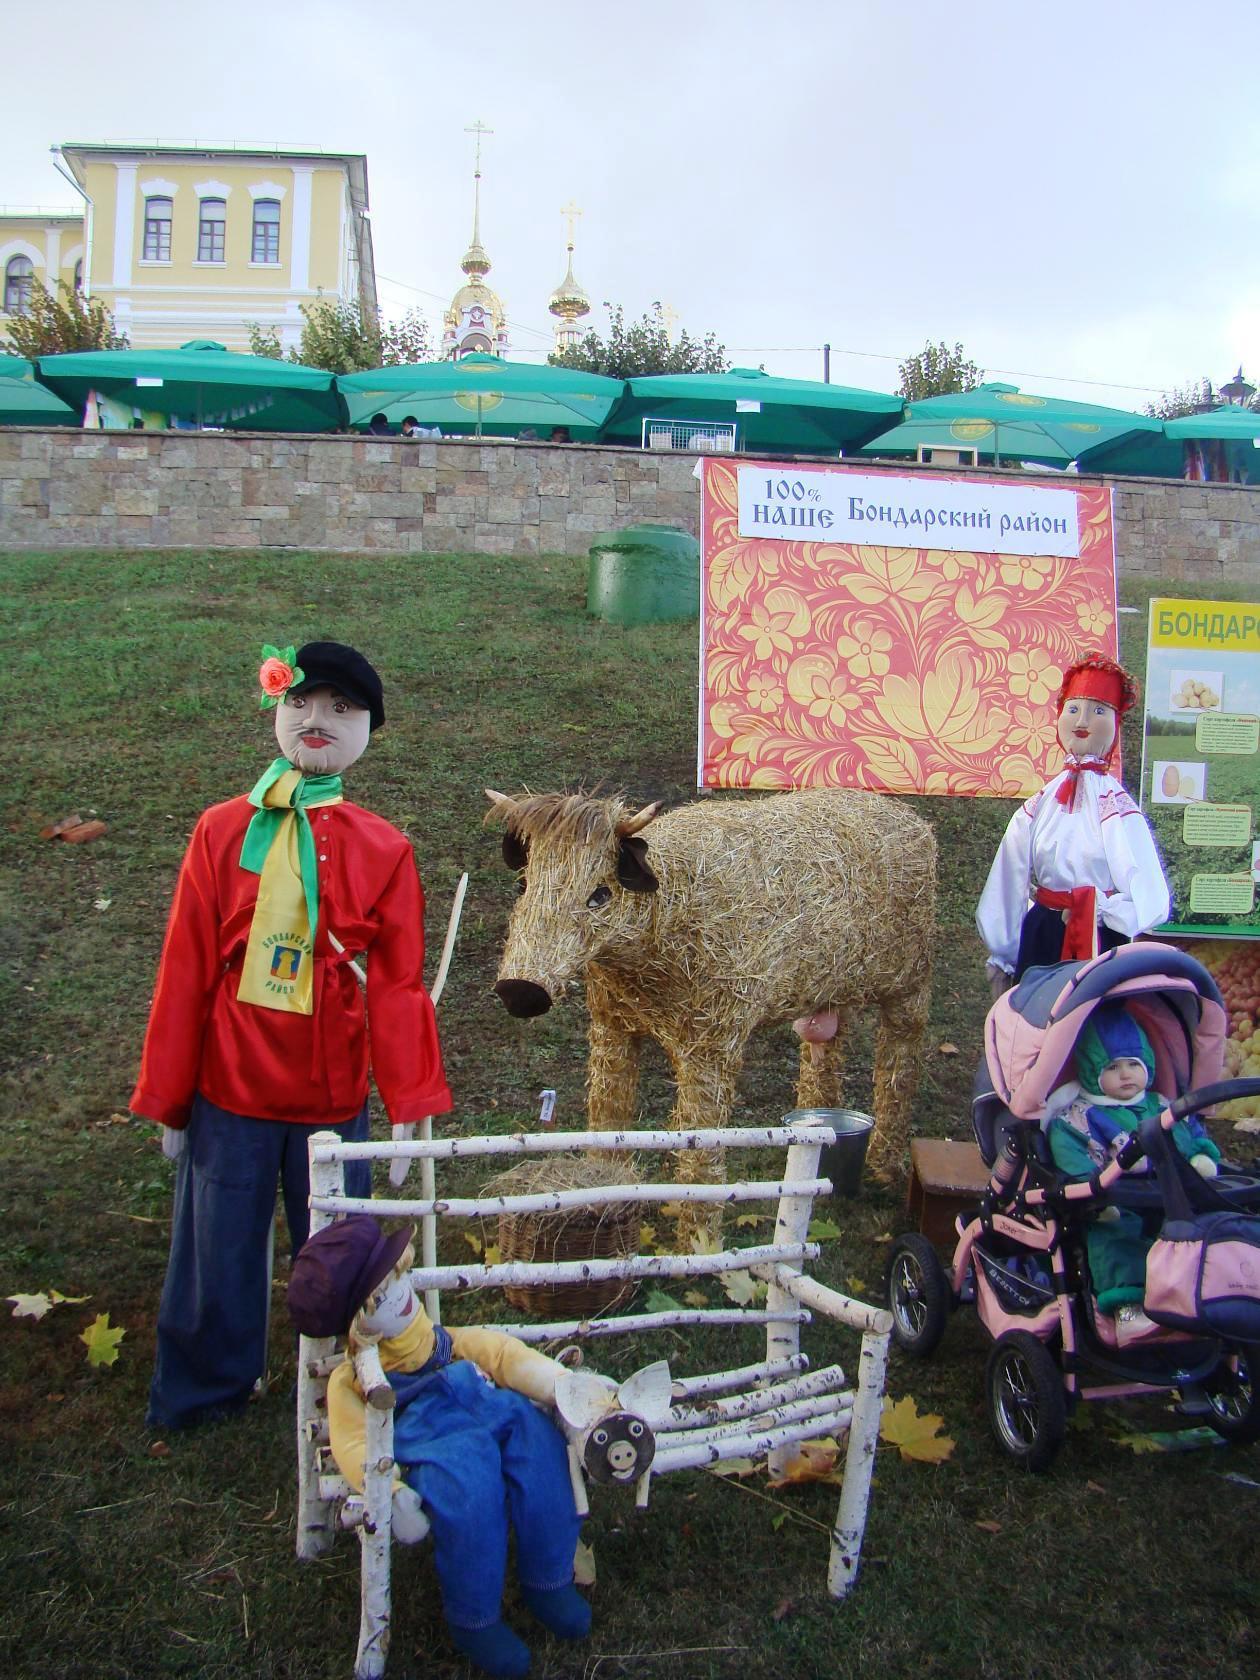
(646, 574)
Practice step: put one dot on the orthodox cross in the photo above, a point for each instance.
(571, 212)
(478, 128)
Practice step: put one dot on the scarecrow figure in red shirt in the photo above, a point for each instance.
(258, 1035)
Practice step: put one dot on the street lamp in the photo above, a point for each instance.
(1238, 391)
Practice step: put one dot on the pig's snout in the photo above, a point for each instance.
(523, 998)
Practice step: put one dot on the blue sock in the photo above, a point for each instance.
(562, 1610)
(494, 1649)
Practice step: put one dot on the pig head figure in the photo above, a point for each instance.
(699, 925)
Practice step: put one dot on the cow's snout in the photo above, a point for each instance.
(523, 998)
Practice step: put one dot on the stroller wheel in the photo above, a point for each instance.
(1234, 1400)
(1027, 1405)
(918, 1295)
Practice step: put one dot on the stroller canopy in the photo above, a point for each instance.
(1031, 1031)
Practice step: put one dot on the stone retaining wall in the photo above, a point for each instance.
(71, 489)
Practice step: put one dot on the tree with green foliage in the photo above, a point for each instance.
(643, 347)
(61, 320)
(1195, 398)
(936, 371)
(343, 338)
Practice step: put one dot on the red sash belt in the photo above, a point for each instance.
(1080, 934)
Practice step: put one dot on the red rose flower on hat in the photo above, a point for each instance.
(277, 674)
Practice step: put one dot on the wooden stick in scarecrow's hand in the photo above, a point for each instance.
(399, 1168)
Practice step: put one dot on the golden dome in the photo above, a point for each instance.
(569, 301)
(473, 294)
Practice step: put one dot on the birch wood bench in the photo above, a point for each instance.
(757, 1410)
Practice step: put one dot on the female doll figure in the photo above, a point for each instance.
(1077, 871)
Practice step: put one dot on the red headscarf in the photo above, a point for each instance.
(1094, 678)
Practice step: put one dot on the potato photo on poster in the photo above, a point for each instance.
(1178, 783)
(1196, 691)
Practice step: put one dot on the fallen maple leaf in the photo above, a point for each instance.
(647, 1236)
(491, 1255)
(947, 1049)
(473, 1240)
(695, 1298)
(823, 1230)
(736, 1467)
(916, 1436)
(101, 1341)
(30, 1306)
(812, 1461)
(857, 1285)
(1094, 1487)
(704, 1243)
(1139, 1443)
(660, 1300)
(584, 1565)
(742, 1288)
(745, 1219)
(989, 1526)
(35, 1306)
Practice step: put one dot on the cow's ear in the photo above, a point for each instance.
(632, 866)
(515, 850)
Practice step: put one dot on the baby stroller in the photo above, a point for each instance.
(1021, 1257)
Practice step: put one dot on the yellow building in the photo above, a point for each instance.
(37, 244)
(185, 241)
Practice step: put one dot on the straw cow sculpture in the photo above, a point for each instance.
(699, 925)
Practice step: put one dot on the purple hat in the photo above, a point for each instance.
(337, 1270)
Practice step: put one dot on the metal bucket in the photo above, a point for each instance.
(843, 1160)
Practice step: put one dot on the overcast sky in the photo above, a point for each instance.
(1072, 190)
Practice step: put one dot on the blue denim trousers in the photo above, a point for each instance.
(482, 1458)
(212, 1320)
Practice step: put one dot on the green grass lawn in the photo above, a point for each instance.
(122, 1561)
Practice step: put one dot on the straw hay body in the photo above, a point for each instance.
(597, 1233)
(767, 909)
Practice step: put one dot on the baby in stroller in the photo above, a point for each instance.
(1093, 1169)
(1087, 1123)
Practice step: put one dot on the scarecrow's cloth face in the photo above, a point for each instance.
(320, 732)
(1087, 728)
(391, 1308)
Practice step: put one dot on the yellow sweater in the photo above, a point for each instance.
(508, 1362)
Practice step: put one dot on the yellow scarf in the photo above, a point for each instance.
(278, 970)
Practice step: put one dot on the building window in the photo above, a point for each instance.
(18, 274)
(157, 230)
(266, 248)
(212, 230)
(78, 275)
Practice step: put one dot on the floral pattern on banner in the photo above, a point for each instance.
(904, 670)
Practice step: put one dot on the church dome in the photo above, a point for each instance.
(569, 301)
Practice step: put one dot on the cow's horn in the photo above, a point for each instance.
(640, 819)
(504, 805)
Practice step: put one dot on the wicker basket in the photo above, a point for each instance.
(600, 1233)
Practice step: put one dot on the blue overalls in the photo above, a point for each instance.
(481, 1457)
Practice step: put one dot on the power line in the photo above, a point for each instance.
(817, 350)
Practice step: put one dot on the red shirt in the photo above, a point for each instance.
(267, 1063)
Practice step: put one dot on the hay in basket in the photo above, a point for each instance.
(591, 1233)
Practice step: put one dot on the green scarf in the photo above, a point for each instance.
(267, 821)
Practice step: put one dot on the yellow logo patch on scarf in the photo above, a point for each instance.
(278, 970)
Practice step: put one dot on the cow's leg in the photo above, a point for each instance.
(821, 1077)
(612, 1076)
(706, 1079)
(898, 1040)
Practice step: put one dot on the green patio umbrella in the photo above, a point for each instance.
(1164, 454)
(203, 384)
(792, 416)
(24, 403)
(482, 394)
(1004, 423)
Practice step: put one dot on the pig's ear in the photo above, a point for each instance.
(515, 850)
(648, 1392)
(581, 1398)
(632, 866)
